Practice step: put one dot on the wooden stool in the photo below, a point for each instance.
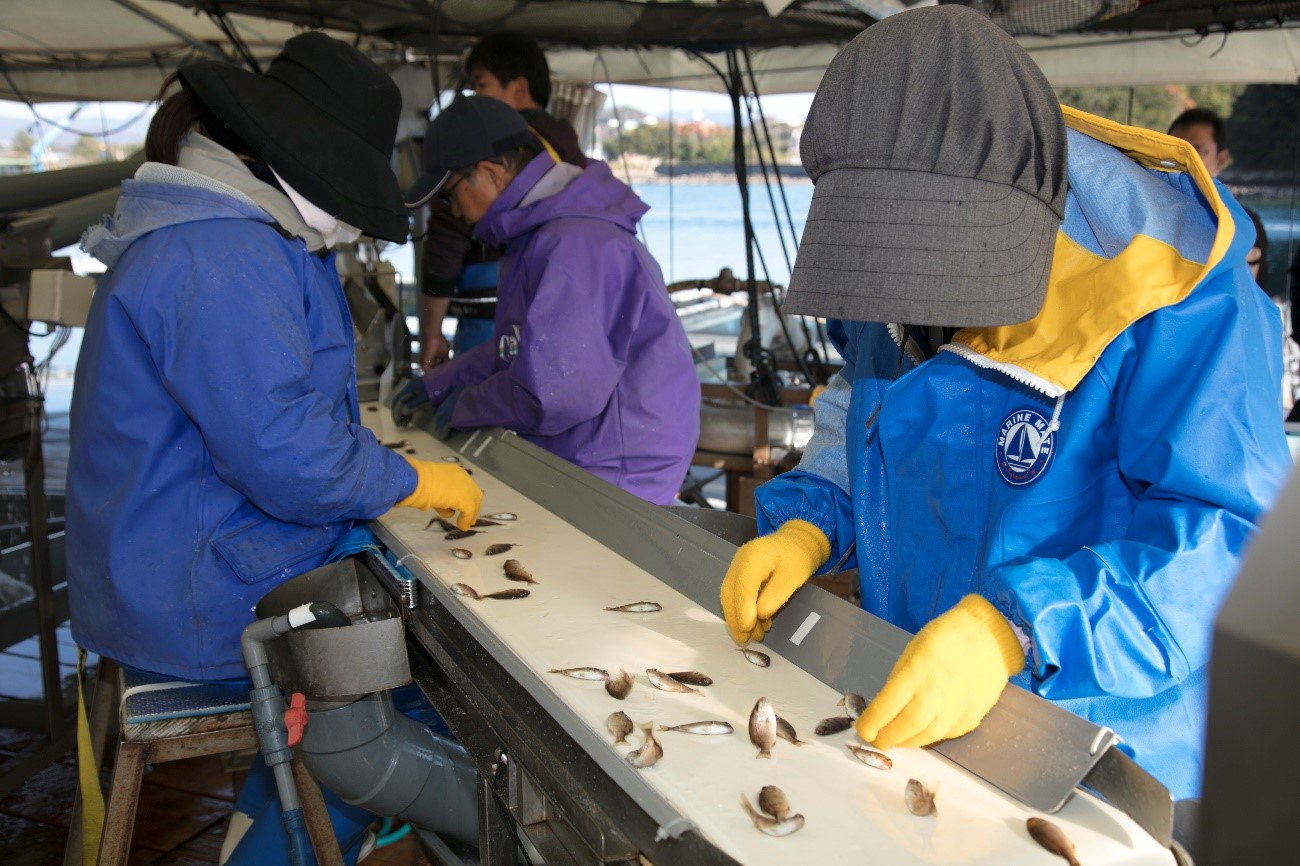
(172, 721)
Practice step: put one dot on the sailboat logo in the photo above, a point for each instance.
(1025, 446)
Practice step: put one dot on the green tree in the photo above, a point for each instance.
(1151, 106)
(1264, 128)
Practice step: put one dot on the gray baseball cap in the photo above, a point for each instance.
(938, 152)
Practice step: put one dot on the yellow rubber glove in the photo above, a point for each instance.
(947, 679)
(766, 572)
(447, 489)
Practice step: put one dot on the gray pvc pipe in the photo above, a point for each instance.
(389, 764)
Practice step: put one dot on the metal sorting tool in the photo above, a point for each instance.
(1028, 748)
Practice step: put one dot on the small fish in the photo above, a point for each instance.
(465, 590)
(508, 594)
(786, 731)
(853, 703)
(461, 553)
(450, 458)
(495, 549)
(445, 525)
(771, 826)
(400, 443)
(773, 801)
(591, 674)
(458, 534)
(1052, 838)
(833, 725)
(409, 450)
(484, 524)
(754, 657)
(703, 728)
(504, 516)
(515, 570)
(372, 408)
(870, 757)
(692, 678)
(762, 727)
(638, 607)
(665, 683)
(650, 751)
(619, 686)
(620, 725)
(920, 799)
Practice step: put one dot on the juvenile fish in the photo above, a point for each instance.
(762, 728)
(442, 523)
(465, 590)
(400, 443)
(833, 725)
(619, 686)
(458, 534)
(650, 751)
(515, 571)
(450, 458)
(786, 731)
(638, 607)
(503, 516)
(483, 524)
(702, 728)
(920, 798)
(754, 657)
(769, 825)
(692, 678)
(773, 801)
(620, 725)
(870, 757)
(592, 674)
(496, 549)
(854, 704)
(461, 553)
(508, 594)
(1052, 838)
(665, 683)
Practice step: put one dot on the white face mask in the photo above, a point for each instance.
(332, 230)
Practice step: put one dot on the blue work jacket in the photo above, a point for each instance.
(1096, 472)
(217, 448)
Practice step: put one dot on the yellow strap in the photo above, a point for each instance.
(555, 154)
(92, 796)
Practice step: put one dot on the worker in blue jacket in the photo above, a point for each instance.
(1059, 492)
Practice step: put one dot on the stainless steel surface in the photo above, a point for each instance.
(727, 427)
(1135, 792)
(727, 525)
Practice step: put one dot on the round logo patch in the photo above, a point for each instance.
(1025, 446)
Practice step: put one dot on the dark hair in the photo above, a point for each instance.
(177, 115)
(509, 56)
(1193, 116)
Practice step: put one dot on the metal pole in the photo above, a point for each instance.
(42, 580)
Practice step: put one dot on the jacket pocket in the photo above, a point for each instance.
(258, 547)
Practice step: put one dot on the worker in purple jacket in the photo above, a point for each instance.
(588, 358)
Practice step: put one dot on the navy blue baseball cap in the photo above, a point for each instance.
(470, 130)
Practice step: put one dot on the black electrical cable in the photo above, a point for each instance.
(222, 21)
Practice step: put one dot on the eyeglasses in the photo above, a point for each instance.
(444, 195)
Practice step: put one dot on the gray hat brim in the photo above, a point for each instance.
(890, 245)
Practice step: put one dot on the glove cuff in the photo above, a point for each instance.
(810, 539)
(416, 497)
(997, 627)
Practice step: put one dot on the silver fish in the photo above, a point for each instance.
(638, 607)
(853, 703)
(665, 683)
(592, 674)
(461, 553)
(496, 549)
(450, 458)
(870, 757)
(650, 751)
(458, 534)
(515, 570)
(619, 686)
(771, 826)
(772, 800)
(762, 727)
(920, 799)
(465, 590)
(786, 731)
(692, 678)
(710, 728)
(620, 725)
(1052, 838)
(503, 516)
(754, 657)
(508, 594)
(833, 725)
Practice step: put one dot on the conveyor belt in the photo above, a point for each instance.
(854, 814)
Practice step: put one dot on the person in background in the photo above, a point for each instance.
(460, 271)
(217, 444)
(589, 359)
(1050, 443)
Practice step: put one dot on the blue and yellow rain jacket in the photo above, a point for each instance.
(1095, 472)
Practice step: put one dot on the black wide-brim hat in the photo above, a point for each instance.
(324, 117)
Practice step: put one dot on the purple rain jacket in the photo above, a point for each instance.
(589, 359)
